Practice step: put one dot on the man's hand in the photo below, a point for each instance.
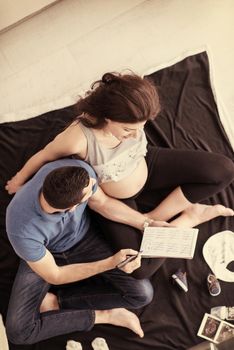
(122, 255)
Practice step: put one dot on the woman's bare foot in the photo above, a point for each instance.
(120, 317)
(49, 303)
(198, 213)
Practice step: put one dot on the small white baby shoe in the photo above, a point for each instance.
(99, 344)
(73, 345)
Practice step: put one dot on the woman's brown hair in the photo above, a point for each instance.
(125, 98)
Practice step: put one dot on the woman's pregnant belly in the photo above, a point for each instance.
(128, 186)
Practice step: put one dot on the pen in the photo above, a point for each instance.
(128, 259)
(179, 282)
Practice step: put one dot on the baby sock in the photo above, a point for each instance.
(73, 345)
(99, 344)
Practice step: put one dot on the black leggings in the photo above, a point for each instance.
(200, 174)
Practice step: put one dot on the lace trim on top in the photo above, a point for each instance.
(122, 165)
(116, 163)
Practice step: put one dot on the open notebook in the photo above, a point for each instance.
(169, 242)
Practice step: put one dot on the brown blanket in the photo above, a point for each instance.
(190, 120)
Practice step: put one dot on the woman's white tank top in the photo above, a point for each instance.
(114, 164)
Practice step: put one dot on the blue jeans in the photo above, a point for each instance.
(112, 289)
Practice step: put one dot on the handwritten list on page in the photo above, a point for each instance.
(170, 242)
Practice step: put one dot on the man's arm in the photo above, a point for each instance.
(115, 210)
(47, 268)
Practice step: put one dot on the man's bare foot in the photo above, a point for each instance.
(120, 317)
(49, 303)
(198, 213)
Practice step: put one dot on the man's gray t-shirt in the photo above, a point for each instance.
(31, 231)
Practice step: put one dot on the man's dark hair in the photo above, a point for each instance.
(63, 187)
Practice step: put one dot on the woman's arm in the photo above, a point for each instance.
(70, 141)
(115, 210)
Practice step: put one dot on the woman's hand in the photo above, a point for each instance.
(149, 221)
(130, 266)
(156, 223)
(14, 184)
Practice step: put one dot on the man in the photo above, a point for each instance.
(51, 231)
